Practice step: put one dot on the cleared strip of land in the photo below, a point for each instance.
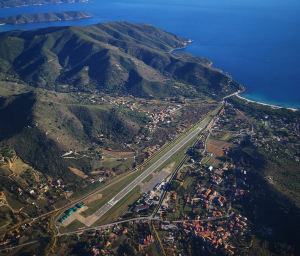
(163, 159)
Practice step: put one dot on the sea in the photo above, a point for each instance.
(257, 42)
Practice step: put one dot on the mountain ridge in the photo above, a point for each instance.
(43, 17)
(59, 70)
(119, 56)
(18, 3)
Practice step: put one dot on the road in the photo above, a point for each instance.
(209, 132)
(145, 174)
(105, 226)
(101, 227)
(17, 246)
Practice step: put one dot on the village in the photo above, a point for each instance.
(203, 202)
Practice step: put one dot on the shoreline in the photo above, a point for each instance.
(240, 91)
(261, 103)
(181, 48)
(237, 93)
(39, 4)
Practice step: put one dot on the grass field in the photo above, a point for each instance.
(154, 250)
(214, 161)
(108, 193)
(19, 166)
(116, 211)
(87, 189)
(188, 182)
(148, 178)
(112, 161)
(4, 215)
(93, 198)
(162, 234)
(118, 154)
(217, 143)
(73, 226)
(61, 203)
(187, 209)
(228, 136)
(13, 202)
(5, 171)
(174, 215)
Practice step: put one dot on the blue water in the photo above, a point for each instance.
(256, 41)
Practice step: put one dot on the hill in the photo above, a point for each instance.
(42, 125)
(118, 57)
(51, 77)
(42, 17)
(18, 3)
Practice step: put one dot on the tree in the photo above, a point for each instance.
(126, 250)
(175, 185)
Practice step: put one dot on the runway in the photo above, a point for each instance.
(92, 219)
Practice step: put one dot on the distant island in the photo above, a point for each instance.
(41, 17)
(18, 3)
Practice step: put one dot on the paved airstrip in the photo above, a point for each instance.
(93, 218)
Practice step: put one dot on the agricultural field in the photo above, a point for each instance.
(228, 136)
(216, 146)
(214, 161)
(13, 201)
(18, 166)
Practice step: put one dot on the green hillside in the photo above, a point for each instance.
(40, 127)
(59, 85)
(42, 17)
(17, 3)
(113, 57)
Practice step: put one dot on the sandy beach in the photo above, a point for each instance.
(261, 103)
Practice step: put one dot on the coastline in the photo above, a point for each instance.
(177, 49)
(37, 4)
(181, 48)
(261, 103)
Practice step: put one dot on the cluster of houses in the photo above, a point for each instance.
(221, 200)
(145, 242)
(216, 179)
(157, 117)
(113, 235)
(238, 193)
(162, 114)
(215, 234)
(237, 224)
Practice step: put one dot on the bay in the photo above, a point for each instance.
(256, 41)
